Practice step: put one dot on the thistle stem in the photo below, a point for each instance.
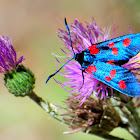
(50, 108)
(53, 110)
(136, 120)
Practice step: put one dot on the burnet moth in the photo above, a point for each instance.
(103, 61)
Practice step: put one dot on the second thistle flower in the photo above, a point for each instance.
(91, 117)
(18, 79)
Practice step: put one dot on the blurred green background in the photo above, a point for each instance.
(33, 25)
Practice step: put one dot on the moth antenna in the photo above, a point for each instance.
(57, 71)
(68, 60)
(69, 35)
(72, 48)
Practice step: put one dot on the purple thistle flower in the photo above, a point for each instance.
(8, 57)
(83, 37)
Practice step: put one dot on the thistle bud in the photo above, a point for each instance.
(19, 81)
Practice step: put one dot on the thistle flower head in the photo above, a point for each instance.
(92, 116)
(83, 37)
(18, 79)
(8, 57)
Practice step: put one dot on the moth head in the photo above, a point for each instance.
(84, 58)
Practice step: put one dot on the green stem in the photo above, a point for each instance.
(53, 110)
(128, 113)
(136, 120)
(50, 108)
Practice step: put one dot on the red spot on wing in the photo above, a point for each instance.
(126, 42)
(111, 44)
(107, 78)
(122, 84)
(110, 62)
(113, 73)
(93, 49)
(92, 68)
(88, 71)
(115, 51)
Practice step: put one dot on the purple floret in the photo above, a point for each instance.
(8, 57)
